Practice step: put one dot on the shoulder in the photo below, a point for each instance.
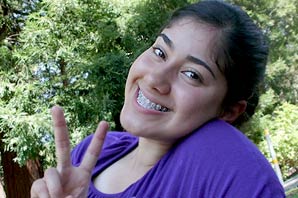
(112, 139)
(226, 161)
(217, 138)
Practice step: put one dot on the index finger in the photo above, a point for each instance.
(61, 139)
(93, 151)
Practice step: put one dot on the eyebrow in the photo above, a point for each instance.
(166, 40)
(200, 62)
(193, 59)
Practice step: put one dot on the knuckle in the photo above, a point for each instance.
(63, 144)
(60, 123)
(38, 188)
(37, 183)
(50, 171)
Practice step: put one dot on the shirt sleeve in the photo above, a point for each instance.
(112, 138)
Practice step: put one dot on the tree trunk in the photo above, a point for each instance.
(62, 64)
(18, 180)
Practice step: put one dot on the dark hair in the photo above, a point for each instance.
(240, 50)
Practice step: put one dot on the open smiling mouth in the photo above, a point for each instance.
(147, 104)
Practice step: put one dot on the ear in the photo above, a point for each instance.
(232, 112)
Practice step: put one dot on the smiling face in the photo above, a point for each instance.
(174, 87)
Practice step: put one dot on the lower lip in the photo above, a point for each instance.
(142, 109)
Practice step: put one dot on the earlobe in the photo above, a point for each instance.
(234, 111)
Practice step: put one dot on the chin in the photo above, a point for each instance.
(126, 123)
(122, 119)
(129, 126)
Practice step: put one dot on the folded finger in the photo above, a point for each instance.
(39, 189)
(93, 151)
(53, 182)
(61, 138)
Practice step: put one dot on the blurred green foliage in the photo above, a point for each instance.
(76, 53)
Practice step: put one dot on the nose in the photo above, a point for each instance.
(159, 80)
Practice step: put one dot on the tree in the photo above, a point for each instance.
(36, 74)
(13, 14)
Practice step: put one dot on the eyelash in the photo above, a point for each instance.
(160, 53)
(193, 75)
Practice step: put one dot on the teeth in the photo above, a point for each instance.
(147, 104)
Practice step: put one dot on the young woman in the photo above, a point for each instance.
(201, 75)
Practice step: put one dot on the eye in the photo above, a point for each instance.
(158, 52)
(193, 75)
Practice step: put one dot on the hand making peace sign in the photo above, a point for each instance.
(67, 181)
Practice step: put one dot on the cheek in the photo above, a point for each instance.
(202, 103)
(132, 76)
(139, 66)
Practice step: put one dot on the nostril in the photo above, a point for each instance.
(163, 88)
(159, 80)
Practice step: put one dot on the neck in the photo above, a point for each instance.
(149, 152)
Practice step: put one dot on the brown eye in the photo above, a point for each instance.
(193, 76)
(158, 52)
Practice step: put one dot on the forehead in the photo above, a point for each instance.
(192, 38)
(199, 31)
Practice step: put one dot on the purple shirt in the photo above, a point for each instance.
(216, 160)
